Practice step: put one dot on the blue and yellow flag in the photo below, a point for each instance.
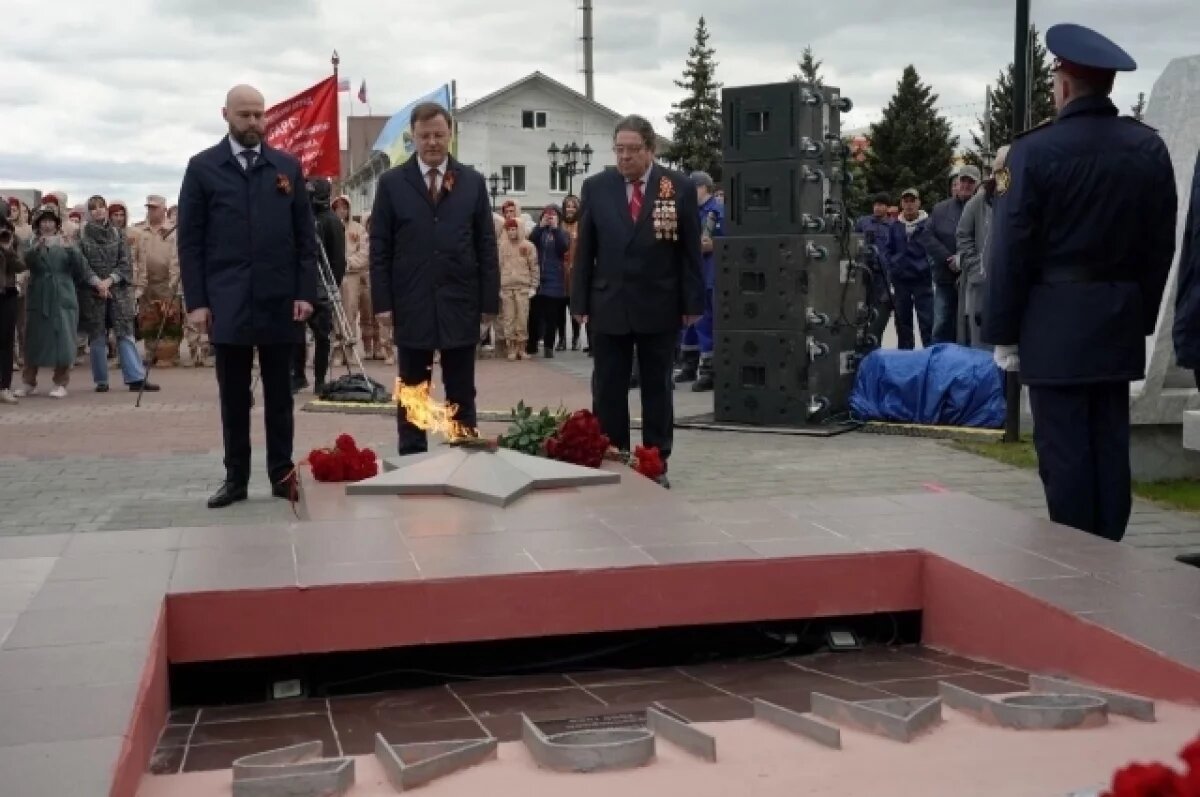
(395, 140)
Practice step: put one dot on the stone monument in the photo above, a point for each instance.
(1157, 404)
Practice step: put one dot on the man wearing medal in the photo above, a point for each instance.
(637, 281)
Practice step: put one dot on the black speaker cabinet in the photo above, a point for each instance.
(779, 121)
(770, 282)
(781, 197)
(761, 378)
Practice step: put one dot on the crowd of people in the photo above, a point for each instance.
(71, 288)
(930, 265)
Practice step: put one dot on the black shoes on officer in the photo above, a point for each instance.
(228, 494)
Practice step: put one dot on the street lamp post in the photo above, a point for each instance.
(572, 159)
(498, 186)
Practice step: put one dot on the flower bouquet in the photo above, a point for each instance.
(576, 439)
(1159, 780)
(345, 462)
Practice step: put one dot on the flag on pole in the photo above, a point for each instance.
(306, 126)
(395, 140)
(362, 92)
(344, 84)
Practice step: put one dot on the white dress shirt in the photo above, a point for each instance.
(645, 184)
(441, 173)
(238, 149)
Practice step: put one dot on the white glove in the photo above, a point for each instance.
(532, 292)
(1006, 357)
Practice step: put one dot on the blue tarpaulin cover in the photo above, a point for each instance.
(945, 385)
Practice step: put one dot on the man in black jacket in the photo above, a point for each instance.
(435, 267)
(942, 244)
(332, 235)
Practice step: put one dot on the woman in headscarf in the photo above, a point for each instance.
(107, 255)
(52, 309)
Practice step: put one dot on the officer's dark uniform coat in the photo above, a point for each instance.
(1083, 234)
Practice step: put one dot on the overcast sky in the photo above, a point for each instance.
(113, 98)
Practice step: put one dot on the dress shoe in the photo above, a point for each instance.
(664, 482)
(548, 353)
(149, 387)
(285, 489)
(228, 494)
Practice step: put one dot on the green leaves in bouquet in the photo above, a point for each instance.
(530, 430)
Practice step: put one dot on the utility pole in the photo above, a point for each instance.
(589, 72)
(1020, 123)
(988, 153)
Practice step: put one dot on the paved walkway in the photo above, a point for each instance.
(93, 462)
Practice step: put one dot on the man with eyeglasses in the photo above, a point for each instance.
(637, 281)
(1074, 283)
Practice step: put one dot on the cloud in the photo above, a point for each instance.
(100, 101)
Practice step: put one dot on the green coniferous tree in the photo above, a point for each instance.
(911, 146)
(697, 117)
(1000, 116)
(810, 68)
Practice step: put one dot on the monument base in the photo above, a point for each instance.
(1157, 453)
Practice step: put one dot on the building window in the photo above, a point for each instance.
(533, 120)
(558, 179)
(515, 176)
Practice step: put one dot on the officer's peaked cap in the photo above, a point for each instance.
(1075, 45)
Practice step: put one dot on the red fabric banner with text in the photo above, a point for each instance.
(306, 126)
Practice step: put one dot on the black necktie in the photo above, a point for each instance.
(250, 156)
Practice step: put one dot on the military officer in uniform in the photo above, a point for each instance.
(1083, 234)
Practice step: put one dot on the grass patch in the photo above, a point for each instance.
(1181, 494)
(1019, 454)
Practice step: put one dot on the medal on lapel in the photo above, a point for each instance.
(666, 219)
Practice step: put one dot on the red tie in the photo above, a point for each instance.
(635, 200)
(433, 192)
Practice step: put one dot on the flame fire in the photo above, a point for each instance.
(430, 415)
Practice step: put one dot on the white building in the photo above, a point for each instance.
(509, 132)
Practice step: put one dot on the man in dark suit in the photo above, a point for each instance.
(247, 253)
(435, 272)
(637, 280)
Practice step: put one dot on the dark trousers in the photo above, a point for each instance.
(910, 297)
(458, 378)
(945, 313)
(233, 377)
(550, 312)
(9, 302)
(534, 328)
(883, 314)
(321, 324)
(1081, 433)
(614, 356)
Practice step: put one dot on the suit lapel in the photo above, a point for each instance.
(230, 158)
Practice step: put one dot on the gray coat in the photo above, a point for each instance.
(107, 255)
(972, 235)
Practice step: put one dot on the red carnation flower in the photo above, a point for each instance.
(1149, 780)
(346, 443)
(648, 462)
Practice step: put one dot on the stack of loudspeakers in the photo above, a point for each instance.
(791, 305)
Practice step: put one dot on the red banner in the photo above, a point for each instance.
(306, 126)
